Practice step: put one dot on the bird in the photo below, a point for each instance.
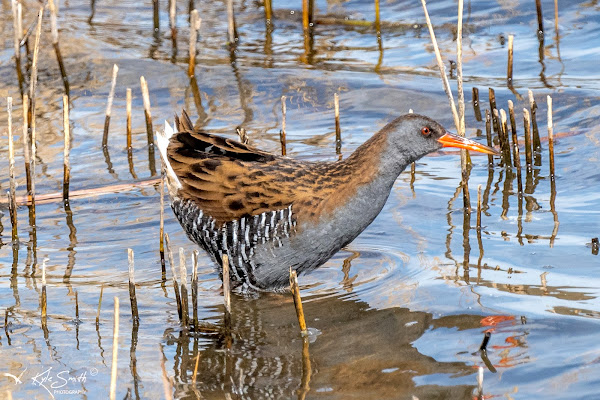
(271, 214)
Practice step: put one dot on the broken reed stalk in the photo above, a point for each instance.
(509, 68)
(268, 11)
(26, 145)
(537, 145)
(492, 98)
(11, 173)
(111, 96)
(480, 383)
(527, 126)
(282, 131)
(476, 107)
(242, 135)
(195, 22)
(231, 30)
(504, 141)
(338, 130)
(128, 108)
(540, 17)
(155, 16)
(295, 288)
(442, 69)
(515, 146)
(54, 31)
(115, 351)
(377, 19)
(550, 137)
(67, 149)
(44, 296)
(464, 155)
(147, 113)
(161, 239)
(479, 207)
(31, 113)
(99, 306)
(488, 134)
(173, 20)
(185, 309)
(174, 275)
(132, 296)
(226, 287)
(18, 31)
(195, 291)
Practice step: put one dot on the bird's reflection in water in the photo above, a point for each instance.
(360, 351)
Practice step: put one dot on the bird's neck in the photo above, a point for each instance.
(371, 171)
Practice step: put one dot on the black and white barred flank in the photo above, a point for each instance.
(238, 239)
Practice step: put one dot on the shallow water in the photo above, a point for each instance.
(403, 310)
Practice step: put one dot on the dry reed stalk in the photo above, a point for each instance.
(161, 239)
(488, 134)
(198, 355)
(67, 148)
(338, 130)
(540, 18)
(550, 137)
(442, 69)
(128, 110)
(479, 207)
(132, 296)
(18, 31)
(282, 131)
(155, 16)
(504, 138)
(44, 296)
(99, 306)
(536, 144)
(527, 126)
(298, 302)
(185, 312)
(226, 283)
(480, 382)
(476, 107)
(173, 20)
(377, 19)
(515, 145)
(77, 320)
(174, 275)
(26, 146)
(305, 19)
(509, 68)
(115, 351)
(11, 173)
(54, 31)
(31, 113)
(195, 290)
(231, 30)
(195, 22)
(268, 12)
(465, 161)
(147, 113)
(111, 96)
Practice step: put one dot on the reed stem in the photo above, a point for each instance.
(550, 137)
(147, 113)
(115, 351)
(195, 23)
(109, 103)
(174, 275)
(132, 295)
(298, 302)
(11, 173)
(509, 68)
(67, 149)
(282, 138)
(184, 292)
(338, 130)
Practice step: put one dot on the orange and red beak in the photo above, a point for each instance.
(452, 140)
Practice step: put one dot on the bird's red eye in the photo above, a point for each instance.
(426, 131)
